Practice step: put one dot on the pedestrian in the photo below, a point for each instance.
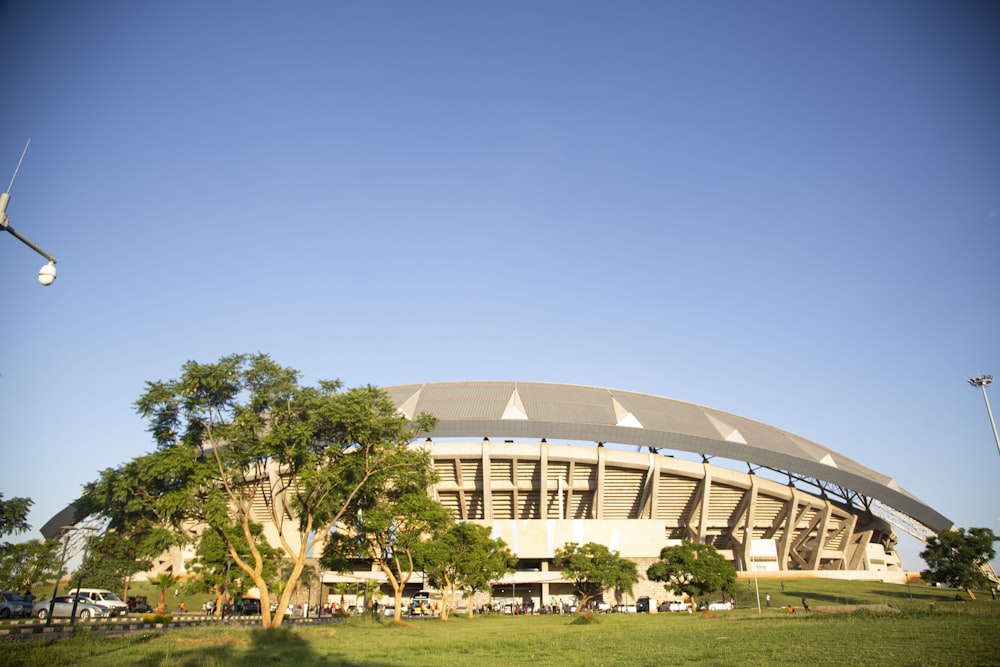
(767, 600)
(805, 604)
(782, 585)
(29, 597)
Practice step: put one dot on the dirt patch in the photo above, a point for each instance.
(848, 608)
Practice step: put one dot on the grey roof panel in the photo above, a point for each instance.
(572, 412)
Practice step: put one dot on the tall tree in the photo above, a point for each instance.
(957, 557)
(240, 438)
(693, 569)
(463, 557)
(593, 568)
(387, 528)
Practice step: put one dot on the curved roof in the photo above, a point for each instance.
(571, 412)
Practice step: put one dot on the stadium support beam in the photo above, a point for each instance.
(487, 482)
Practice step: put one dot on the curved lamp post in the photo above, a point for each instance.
(982, 382)
(47, 274)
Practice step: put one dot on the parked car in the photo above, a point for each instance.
(63, 608)
(251, 607)
(420, 603)
(104, 598)
(139, 604)
(624, 609)
(677, 605)
(718, 605)
(642, 605)
(12, 604)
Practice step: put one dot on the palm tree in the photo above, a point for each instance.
(163, 581)
(343, 588)
(371, 588)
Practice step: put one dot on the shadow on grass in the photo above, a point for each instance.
(279, 646)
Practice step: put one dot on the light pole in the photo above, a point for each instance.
(79, 580)
(47, 274)
(755, 585)
(982, 382)
(66, 530)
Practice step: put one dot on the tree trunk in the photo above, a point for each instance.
(397, 596)
(161, 602)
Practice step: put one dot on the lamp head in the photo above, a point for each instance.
(47, 274)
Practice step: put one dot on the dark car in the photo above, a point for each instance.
(13, 604)
(642, 605)
(251, 607)
(139, 604)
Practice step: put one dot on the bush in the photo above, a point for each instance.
(157, 619)
(586, 618)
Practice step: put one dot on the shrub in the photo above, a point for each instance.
(586, 618)
(157, 618)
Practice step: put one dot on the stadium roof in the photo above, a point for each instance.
(578, 413)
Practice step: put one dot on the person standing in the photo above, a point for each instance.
(767, 600)
(805, 604)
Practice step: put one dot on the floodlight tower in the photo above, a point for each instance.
(47, 274)
(982, 382)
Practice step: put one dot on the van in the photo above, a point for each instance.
(106, 599)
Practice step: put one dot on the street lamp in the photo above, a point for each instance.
(79, 580)
(982, 382)
(65, 531)
(47, 274)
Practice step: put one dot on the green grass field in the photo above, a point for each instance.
(851, 623)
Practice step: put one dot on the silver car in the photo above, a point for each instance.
(63, 608)
(12, 604)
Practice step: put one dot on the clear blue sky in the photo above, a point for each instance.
(785, 210)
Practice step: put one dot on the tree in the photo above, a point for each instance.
(370, 588)
(115, 557)
(240, 438)
(593, 568)
(25, 565)
(387, 528)
(163, 582)
(956, 558)
(14, 517)
(342, 588)
(463, 557)
(693, 569)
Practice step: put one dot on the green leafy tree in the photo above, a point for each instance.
(957, 557)
(463, 557)
(14, 517)
(241, 436)
(113, 558)
(693, 569)
(387, 528)
(25, 565)
(593, 568)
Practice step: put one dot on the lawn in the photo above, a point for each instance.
(851, 623)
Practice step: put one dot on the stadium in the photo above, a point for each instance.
(545, 464)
